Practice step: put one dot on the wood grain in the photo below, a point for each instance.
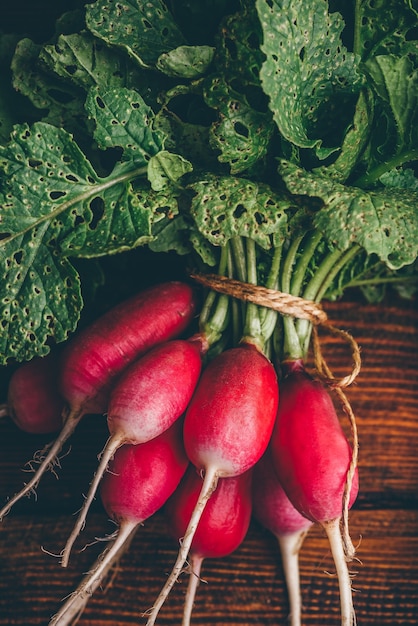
(247, 587)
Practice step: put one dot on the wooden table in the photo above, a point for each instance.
(246, 588)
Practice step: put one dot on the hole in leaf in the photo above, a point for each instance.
(240, 129)
(17, 257)
(100, 103)
(56, 195)
(71, 69)
(239, 211)
(97, 209)
(34, 162)
(71, 178)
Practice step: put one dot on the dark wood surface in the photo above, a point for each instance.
(247, 587)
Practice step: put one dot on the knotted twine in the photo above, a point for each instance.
(298, 307)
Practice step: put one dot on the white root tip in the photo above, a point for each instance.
(105, 457)
(290, 545)
(333, 530)
(77, 601)
(48, 462)
(208, 487)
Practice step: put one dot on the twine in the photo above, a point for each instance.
(298, 307)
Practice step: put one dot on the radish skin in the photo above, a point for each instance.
(150, 395)
(34, 402)
(273, 509)
(312, 457)
(227, 428)
(222, 528)
(97, 355)
(141, 479)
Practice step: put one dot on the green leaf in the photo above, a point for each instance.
(384, 222)
(225, 207)
(55, 204)
(241, 134)
(355, 141)
(86, 61)
(144, 29)
(171, 233)
(396, 80)
(308, 74)
(123, 120)
(400, 179)
(385, 27)
(166, 168)
(40, 296)
(189, 62)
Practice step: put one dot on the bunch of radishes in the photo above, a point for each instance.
(214, 435)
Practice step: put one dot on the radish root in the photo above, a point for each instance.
(194, 581)
(78, 600)
(290, 545)
(332, 528)
(47, 463)
(107, 454)
(209, 485)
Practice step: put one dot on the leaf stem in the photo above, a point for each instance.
(367, 179)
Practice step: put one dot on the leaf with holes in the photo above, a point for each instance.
(40, 296)
(384, 222)
(55, 204)
(310, 77)
(385, 27)
(86, 61)
(186, 61)
(225, 207)
(166, 168)
(123, 120)
(241, 134)
(144, 29)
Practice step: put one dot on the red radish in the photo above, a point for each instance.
(140, 480)
(273, 509)
(97, 355)
(312, 457)
(34, 402)
(227, 428)
(149, 396)
(222, 527)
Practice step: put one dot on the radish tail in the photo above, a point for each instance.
(112, 445)
(4, 410)
(194, 580)
(332, 528)
(67, 430)
(290, 545)
(78, 600)
(208, 487)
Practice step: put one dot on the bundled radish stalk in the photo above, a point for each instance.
(96, 356)
(147, 399)
(140, 480)
(227, 426)
(222, 527)
(273, 509)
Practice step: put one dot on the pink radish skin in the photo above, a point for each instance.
(140, 480)
(312, 456)
(33, 399)
(222, 527)
(150, 395)
(273, 509)
(227, 428)
(96, 356)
